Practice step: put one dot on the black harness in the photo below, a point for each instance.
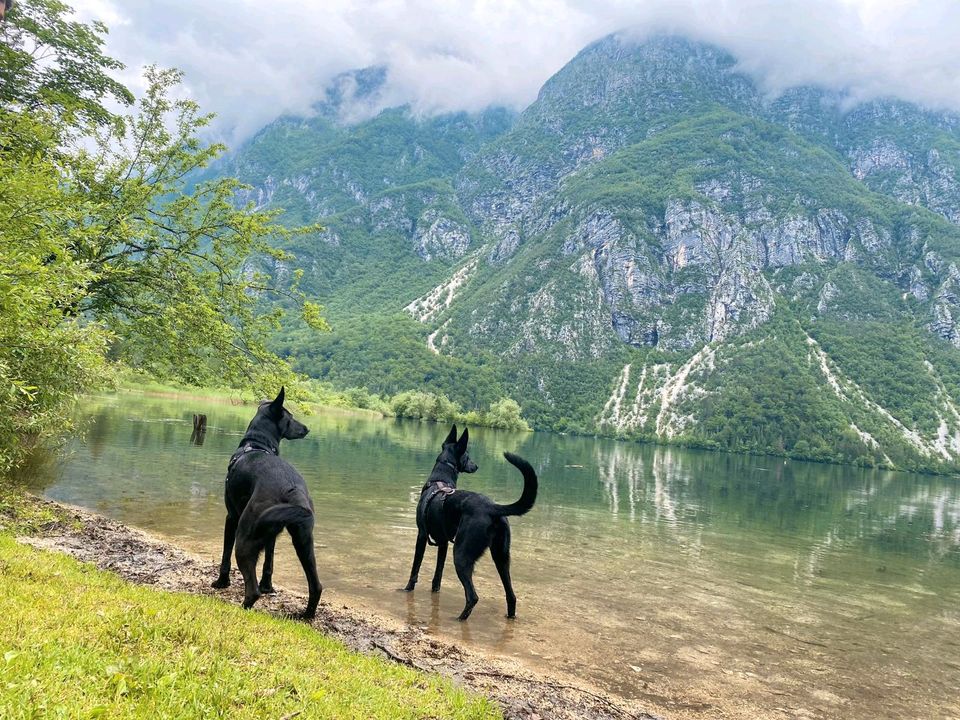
(248, 447)
(441, 489)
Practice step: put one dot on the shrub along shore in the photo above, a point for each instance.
(503, 414)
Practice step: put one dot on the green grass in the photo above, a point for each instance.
(19, 515)
(311, 396)
(80, 643)
(134, 381)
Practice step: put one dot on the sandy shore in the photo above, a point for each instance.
(147, 560)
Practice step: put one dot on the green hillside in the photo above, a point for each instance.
(652, 249)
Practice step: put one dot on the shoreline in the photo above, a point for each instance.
(173, 392)
(224, 399)
(145, 559)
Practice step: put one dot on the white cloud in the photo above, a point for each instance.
(250, 61)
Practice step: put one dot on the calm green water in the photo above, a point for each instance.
(703, 584)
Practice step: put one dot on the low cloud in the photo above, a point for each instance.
(251, 61)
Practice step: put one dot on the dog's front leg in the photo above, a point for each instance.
(229, 535)
(441, 559)
(417, 560)
(266, 577)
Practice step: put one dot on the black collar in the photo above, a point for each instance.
(260, 442)
(256, 447)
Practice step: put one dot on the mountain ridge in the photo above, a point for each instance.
(645, 242)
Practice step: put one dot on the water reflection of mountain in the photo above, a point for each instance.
(139, 447)
(685, 490)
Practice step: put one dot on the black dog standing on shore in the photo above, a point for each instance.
(264, 495)
(473, 522)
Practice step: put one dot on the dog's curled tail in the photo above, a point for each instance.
(277, 517)
(529, 494)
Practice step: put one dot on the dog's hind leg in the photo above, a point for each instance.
(302, 535)
(229, 535)
(441, 559)
(466, 551)
(500, 552)
(248, 549)
(417, 560)
(266, 575)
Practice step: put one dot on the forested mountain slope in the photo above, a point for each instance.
(653, 248)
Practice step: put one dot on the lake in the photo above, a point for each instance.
(701, 584)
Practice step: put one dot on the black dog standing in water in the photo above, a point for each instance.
(264, 495)
(473, 522)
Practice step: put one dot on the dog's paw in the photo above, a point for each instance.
(220, 583)
(299, 616)
(267, 589)
(467, 610)
(435, 588)
(406, 588)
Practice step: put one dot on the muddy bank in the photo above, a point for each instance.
(147, 560)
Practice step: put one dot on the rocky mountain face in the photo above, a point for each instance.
(652, 249)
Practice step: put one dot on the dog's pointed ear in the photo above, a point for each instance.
(452, 436)
(276, 407)
(462, 442)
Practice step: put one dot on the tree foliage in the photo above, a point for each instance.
(45, 354)
(179, 274)
(504, 413)
(108, 253)
(53, 65)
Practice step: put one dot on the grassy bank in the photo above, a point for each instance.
(314, 395)
(311, 396)
(77, 642)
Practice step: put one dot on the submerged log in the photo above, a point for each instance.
(199, 423)
(199, 429)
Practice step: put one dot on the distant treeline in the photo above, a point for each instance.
(504, 413)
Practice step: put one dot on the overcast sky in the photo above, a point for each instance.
(251, 60)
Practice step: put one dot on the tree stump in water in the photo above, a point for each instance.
(199, 429)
